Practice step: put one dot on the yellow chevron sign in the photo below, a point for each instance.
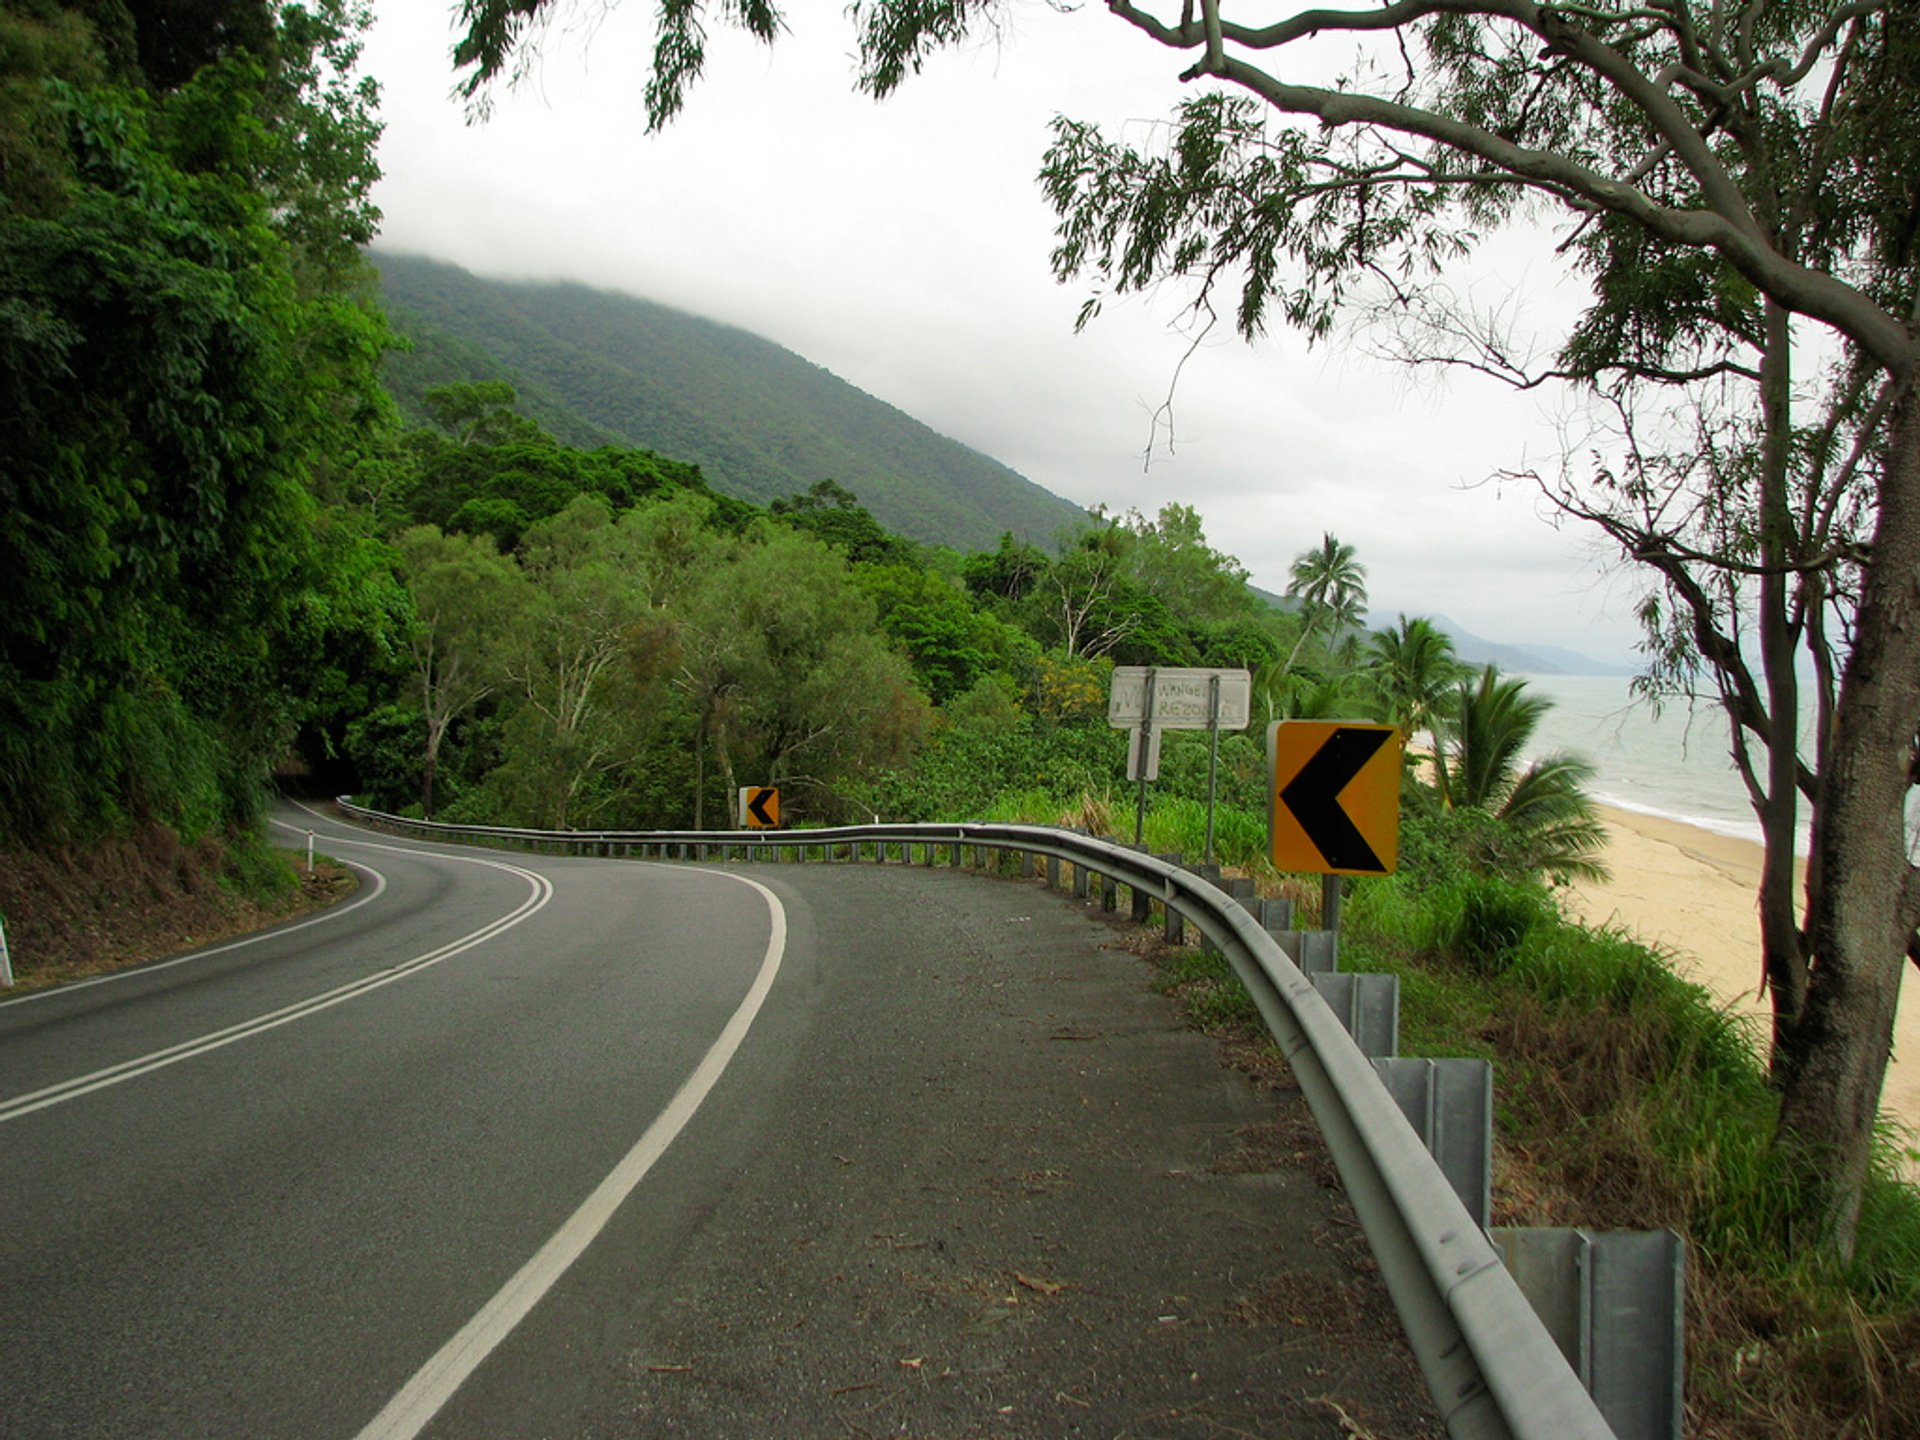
(760, 807)
(1335, 797)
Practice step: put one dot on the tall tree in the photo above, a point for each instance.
(1331, 585)
(468, 601)
(162, 410)
(1774, 147)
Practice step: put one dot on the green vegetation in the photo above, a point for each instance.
(1627, 1098)
(1737, 202)
(186, 360)
(595, 369)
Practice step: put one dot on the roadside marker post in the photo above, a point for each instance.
(6, 962)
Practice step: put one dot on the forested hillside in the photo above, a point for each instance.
(595, 367)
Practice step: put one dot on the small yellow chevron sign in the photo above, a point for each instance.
(1335, 797)
(760, 807)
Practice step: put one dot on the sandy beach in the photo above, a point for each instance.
(1692, 892)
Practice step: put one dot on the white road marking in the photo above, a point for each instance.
(542, 892)
(332, 912)
(421, 1398)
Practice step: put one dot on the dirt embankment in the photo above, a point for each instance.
(79, 912)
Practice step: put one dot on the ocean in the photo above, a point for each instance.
(1675, 764)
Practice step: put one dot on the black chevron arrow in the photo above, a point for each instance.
(757, 807)
(1313, 797)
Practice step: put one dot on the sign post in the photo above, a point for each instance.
(1146, 748)
(1213, 755)
(1148, 699)
(1335, 802)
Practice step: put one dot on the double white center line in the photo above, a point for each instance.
(541, 891)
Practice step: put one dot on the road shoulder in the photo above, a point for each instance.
(1013, 1195)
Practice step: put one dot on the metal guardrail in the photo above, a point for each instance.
(1492, 1368)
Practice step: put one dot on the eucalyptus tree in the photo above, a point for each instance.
(591, 637)
(1763, 158)
(1727, 176)
(788, 673)
(468, 603)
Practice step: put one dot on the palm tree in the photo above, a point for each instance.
(1331, 586)
(1286, 694)
(1545, 820)
(1413, 668)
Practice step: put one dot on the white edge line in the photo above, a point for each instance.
(332, 912)
(421, 1398)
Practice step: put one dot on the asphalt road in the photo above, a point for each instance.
(525, 1146)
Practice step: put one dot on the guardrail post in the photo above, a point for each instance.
(1210, 873)
(1368, 1005)
(1081, 875)
(1614, 1302)
(1026, 864)
(1313, 952)
(1174, 926)
(1449, 1103)
(1109, 894)
(1053, 872)
(1276, 915)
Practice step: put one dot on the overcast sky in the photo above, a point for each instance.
(903, 245)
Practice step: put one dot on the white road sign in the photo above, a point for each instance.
(1182, 698)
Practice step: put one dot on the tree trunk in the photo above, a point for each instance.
(1783, 960)
(430, 766)
(1862, 913)
(699, 774)
(426, 782)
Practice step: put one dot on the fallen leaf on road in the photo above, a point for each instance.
(1045, 1287)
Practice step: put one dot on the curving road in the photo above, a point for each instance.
(251, 1192)
(524, 1146)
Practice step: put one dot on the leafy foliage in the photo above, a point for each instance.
(161, 318)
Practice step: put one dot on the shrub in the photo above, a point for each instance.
(1480, 921)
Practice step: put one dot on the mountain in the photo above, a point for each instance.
(596, 368)
(1525, 659)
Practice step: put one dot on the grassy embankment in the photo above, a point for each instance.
(73, 913)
